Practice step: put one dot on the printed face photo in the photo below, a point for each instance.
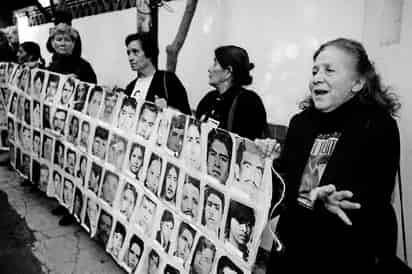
(44, 177)
(26, 139)
(68, 192)
(164, 232)
(154, 170)
(147, 118)
(110, 100)
(226, 266)
(59, 154)
(219, 153)
(84, 135)
(203, 257)
(185, 239)
(190, 197)
(10, 128)
(94, 102)
(239, 227)
(192, 150)
(80, 96)
(128, 200)
(73, 131)
(13, 103)
(36, 114)
(71, 160)
(23, 79)
(51, 88)
(127, 113)
(46, 117)
(27, 111)
(37, 86)
(92, 212)
(176, 134)
(104, 227)
(20, 106)
(47, 148)
(82, 168)
(136, 158)
(26, 165)
(78, 203)
(99, 146)
(94, 177)
(59, 121)
(109, 187)
(250, 164)
(146, 211)
(117, 151)
(170, 181)
(117, 239)
(213, 210)
(153, 262)
(67, 91)
(134, 253)
(162, 130)
(57, 184)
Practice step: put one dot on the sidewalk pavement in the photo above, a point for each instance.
(32, 241)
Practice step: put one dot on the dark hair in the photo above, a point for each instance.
(169, 166)
(150, 107)
(202, 244)
(154, 254)
(223, 262)
(147, 43)
(238, 59)
(209, 191)
(129, 101)
(101, 133)
(33, 50)
(53, 78)
(221, 136)
(120, 229)
(193, 181)
(373, 92)
(94, 90)
(170, 270)
(245, 145)
(136, 240)
(39, 75)
(185, 226)
(167, 217)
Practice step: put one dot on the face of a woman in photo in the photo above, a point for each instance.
(63, 44)
(334, 79)
(127, 202)
(171, 184)
(117, 243)
(203, 261)
(193, 147)
(94, 104)
(135, 160)
(217, 74)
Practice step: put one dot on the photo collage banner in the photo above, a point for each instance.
(160, 191)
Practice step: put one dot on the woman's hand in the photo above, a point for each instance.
(269, 147)
(337, 202)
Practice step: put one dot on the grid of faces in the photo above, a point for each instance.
(159, 191)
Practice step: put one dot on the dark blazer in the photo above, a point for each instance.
(165, 84)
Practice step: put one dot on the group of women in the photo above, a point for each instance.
(339, 159)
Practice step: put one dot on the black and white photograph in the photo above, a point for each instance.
(176, 134)
(117, 150)
(82, 167)
(145, 214)
(95, 176)
(104, 227)
(57, 185)
(26, 138)
(11, 129)
(154, 171)
(190, 199)
(147, 120)
(165, 230)
(25, 165)
(47, 147)
(27, 111)
(78, 203)
(84, 139)
(94, 101)
(117, 239)
(36, 114)
(135, 160)
(213, 209)
(44, 177)
(37, 84)
(127, 114)
(203, 257)
(59, 152)
(133, 254)
(91, 215)
(219, 154)
(68, 193)
(192, 147)
(109, 109)
(239, 228)
(100, 142)
(80, 96)
(67, 92)
(127, 200)
(46, 117)
(59, 121)
(52, 86)
(226, 265)
(70, 161)
(73, 129)
(170, 184)
(13, 103)
(184, 242)
(152, 263)
(109, 187)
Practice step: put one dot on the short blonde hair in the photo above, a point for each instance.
(63, 28)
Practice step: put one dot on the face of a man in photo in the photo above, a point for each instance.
(193, 147)
(218, 161)
(71, 162)
(153, 175)
(190, 200)
(109, 104)
(133, 256)
(135, 159)
(146, 123)
(99, 147)
(171, 184)
(239, 233)
(94, 181)
(44, 177)
(137, 58)
(67, 193)
(47, 148)
(251, 169)
(116, 153)
(203, 261)
(109, 188)
(92, 211)
(184, 244)
(85, 133)
(57, 183)
(67, 92)
(51, 89)
(104, 226)
(175, 140)
(126, 117)
(213, 212)
(36, 115)
(58, 121)
(147, 212)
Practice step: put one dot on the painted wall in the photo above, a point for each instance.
(394, 63)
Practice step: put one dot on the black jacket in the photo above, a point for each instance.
(165, 84)
(73, 65)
